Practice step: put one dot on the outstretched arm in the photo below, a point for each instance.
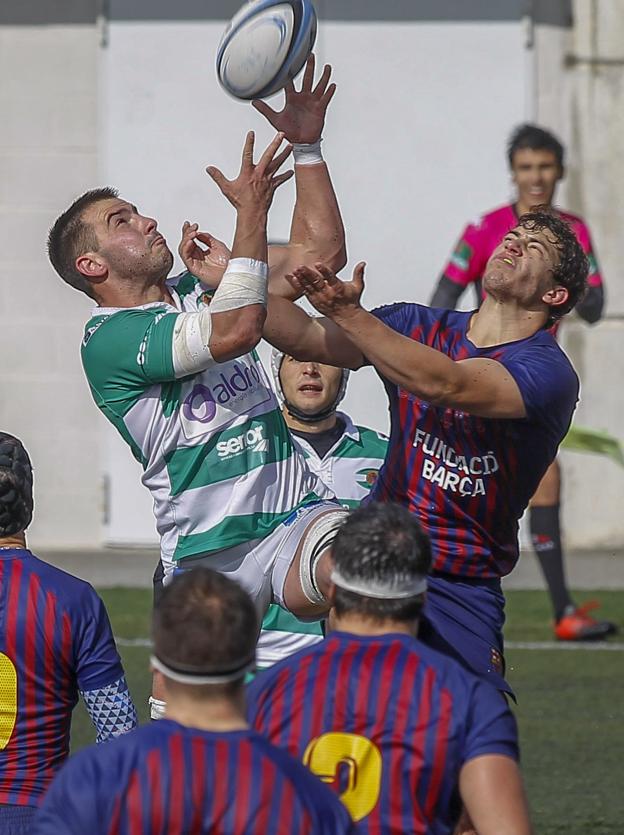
(492, 791)
(233, 324)
(480, 386)
(316, 232)
(289, 328)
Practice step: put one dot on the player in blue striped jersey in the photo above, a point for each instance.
(55, 641)
(200, 769)
(402, 733)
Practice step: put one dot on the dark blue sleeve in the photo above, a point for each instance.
(491, 724)
(548, 385)
(97, 660)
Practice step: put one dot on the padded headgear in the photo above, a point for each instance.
(277, 358)
(16, 496)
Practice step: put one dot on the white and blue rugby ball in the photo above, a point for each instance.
(265, 44)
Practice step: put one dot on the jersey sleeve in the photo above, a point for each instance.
(548, 385)
(491, 727)
(402, 317)
(96, 658)
(468, 259)
(130, 351)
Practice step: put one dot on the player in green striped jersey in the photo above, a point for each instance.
(172, 363)
(346, 458)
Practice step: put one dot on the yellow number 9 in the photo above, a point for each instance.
(8, 699)
(326, 753)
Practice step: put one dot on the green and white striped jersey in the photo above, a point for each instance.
(216, 453)
(349, 469)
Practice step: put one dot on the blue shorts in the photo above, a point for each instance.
(463, 618)
(16, 820)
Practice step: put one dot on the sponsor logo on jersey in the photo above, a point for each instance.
(227, 390)
(252, 439)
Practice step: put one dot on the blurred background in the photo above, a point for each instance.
(124, 93)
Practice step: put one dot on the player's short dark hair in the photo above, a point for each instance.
(71, 237)
(375, 543)
(535, 138)
(573, 267)
(16, 482)
(204, 621)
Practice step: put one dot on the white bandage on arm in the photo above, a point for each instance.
(191, 338)
(244, 282)
(307, 154)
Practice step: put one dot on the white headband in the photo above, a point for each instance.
(397, 589)
(189, 678)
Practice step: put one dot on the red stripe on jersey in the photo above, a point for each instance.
(374, 820)
(439, 757)
(176, 786)
(52, 684)
(272, 724)
(13, 585)
(244, 772)
(342, 694)
(419, 742)
(220, 790)
(113, 829)
(298, 696)
(154, 782)
(315, 726)
(134, 804)
(362, 701)
(267, 781)
(198, 786)
(30, 743)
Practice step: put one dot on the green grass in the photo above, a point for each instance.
(570, 709)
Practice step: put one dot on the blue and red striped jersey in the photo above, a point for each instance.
(55, 639)
(168, 779)
(387, 722)
(469, 479)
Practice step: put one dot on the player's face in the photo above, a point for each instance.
(535, 173)
(522, 266)
(310, 386)
(129, 243)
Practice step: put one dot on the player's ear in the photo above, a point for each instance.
(556, 296)
(92, 266)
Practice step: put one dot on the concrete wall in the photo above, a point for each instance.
(579, 81)
(48, 153)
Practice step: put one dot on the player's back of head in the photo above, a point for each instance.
(381, 559)
(16, 483)
(205, 626)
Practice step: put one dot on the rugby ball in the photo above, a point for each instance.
(265, 44)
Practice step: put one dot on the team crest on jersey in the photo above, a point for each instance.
(462, 255)
(366, 478)
(205, 298)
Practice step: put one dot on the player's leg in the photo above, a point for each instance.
(302, 564)
(571, 622)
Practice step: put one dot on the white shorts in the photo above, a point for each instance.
(261, 565)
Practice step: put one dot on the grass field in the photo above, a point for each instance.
(570, 709)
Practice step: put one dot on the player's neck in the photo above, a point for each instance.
(128, 296)
(496, 323)
(357, 625)
(313, 428)
(522, 208)
(17, 540)
(218, 714)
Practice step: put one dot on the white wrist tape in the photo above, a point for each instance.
(244, 282)
(307, 154)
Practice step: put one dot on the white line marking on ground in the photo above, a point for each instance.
(549, 645)
(610, 646)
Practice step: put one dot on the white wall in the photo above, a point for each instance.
(406, 132)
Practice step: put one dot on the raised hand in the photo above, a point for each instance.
(206, 261)
(256, 183)
(332, 297)
(303, 115)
